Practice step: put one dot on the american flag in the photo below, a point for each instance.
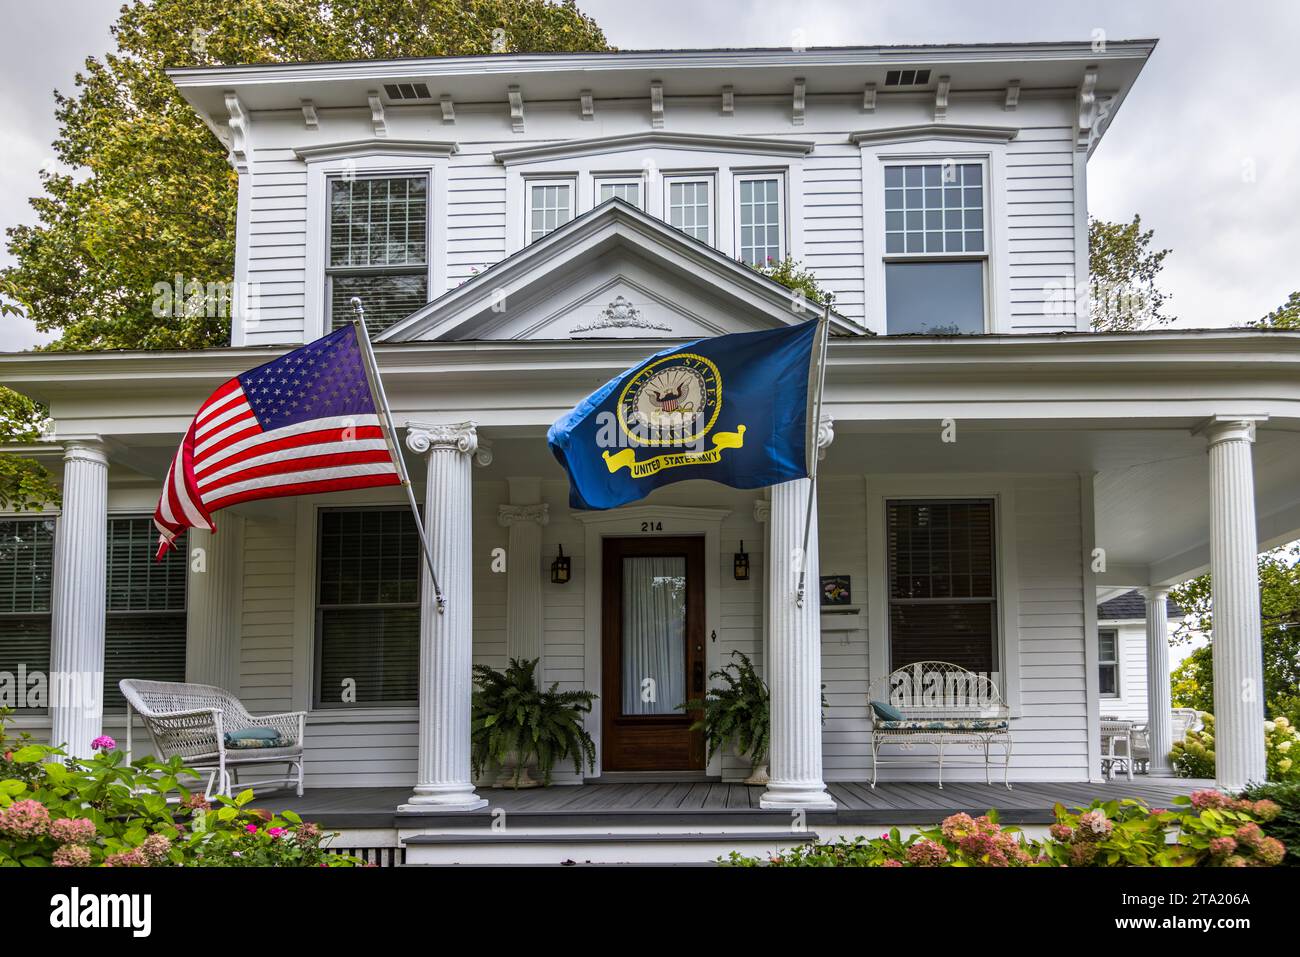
(301, 424)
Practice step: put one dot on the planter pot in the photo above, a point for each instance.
(506, 779)
(757, 775)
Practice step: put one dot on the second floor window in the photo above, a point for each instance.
(935, 248)
(628, 190)
(550, 206)
(378, 248)
(760, 220)
(690, 207)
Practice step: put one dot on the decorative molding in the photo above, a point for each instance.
(1087, 107)
(377, 121)
(352, 149)
(237, 124)
(586, 105)
(825, 434)
(508, 515)
(869, 98)
(800, 101)
(762, 510)
(309, 118)
(423, 438)
(1013, 95)
(931, 131)
(448, 108)
(941, 98)
(657, 104)
(728, 101)
(620, 314)
(516, 98)
(715, 142)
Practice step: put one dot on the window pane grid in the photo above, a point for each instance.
(760, 221)
(688, 208)
(934, 208)
(628, 192)
(550, 208)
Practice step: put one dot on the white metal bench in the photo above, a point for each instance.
(940, 704)
(190, 721)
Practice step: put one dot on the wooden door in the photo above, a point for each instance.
(652, 653)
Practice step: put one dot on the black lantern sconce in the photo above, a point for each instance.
(560, 568)
(741, 565)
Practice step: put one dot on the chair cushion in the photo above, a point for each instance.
(945, 724)
(255, 738)
(886, 712)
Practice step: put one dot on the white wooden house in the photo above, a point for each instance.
(939, 192)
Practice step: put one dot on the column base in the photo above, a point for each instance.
(442, 797)
(790, 796)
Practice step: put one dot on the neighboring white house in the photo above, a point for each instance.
(989, 462)
(1122, 653)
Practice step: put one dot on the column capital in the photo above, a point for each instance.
(825, 434)
(85, 450)
(762, 510)
(508, 515)
(424, 438)
(1226, 428)
(1155, 594)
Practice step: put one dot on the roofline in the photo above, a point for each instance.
(754, 57)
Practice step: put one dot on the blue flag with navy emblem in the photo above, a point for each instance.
(734, 409)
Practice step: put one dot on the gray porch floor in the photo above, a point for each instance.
(719, 803)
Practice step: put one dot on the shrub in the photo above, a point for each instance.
(105, 811)
(1286, 826)
(1193, 757)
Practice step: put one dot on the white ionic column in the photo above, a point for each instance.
(762, 515)
(446, 637)
(1160, 732)
(1234, 575)
(212, 621)
(76, 685)
(524, 580)
(794, 656)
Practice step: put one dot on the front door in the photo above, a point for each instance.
(652, 653)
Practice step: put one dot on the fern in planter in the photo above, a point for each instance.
(738, 711)
(511, 717)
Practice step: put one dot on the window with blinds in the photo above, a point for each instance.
(26, 567)
(368, 609)
(144, 623)
(942, 583)
(378, 248)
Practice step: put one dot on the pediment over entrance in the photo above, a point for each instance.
(612, 273)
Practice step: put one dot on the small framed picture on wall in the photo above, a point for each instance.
(836, 590)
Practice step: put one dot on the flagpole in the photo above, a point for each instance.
(390, 435)
(812, 469)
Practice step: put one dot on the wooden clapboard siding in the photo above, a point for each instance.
(267, 614)
(1041, 229)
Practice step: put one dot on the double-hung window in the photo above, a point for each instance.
(367, 609)
(626, 188)
(936, 248)
(26, 586)
(760, 225)
(378, 248)
(943, 602)
(550, 206)
(1108, 662)
(145, 619)
(688, 201)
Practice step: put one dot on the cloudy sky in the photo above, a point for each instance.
(1207, 147)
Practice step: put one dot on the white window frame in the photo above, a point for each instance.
(616, 179)
(531, 183)
(1118, 694)
(709, 179)
(877, 153)
(365, 159)
(783, 209)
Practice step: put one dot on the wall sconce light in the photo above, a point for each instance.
(560, 568)
(741, 566)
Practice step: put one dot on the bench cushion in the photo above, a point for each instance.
(945, 724)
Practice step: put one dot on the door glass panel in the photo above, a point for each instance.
(654, 634)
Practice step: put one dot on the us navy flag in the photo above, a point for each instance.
(734, 409)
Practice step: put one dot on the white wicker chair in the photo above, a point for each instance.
(190, 721)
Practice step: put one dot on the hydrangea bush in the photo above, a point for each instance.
(1208, 829)
(1193, 757)
(70, 812)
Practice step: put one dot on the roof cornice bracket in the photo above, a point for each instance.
(657, 104)
(309, 118)
(1013, 95)
(800, 101)
(587, 105)
(448, 108)
(869, 98)
(1087, 104)
(728, 101)
(377, 121)
(516, 97)
(237, 124)
(941, 98)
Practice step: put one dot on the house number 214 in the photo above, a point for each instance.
(652, 526)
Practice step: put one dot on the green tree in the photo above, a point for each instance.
(147, 193)
(24, 482)
(1123, 268)
(1279, 600)
(1285, 316)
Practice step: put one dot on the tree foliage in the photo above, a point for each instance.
(146, 193)
(1123, 270)
(1285, 316)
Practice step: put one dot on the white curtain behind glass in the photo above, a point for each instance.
(654, 634)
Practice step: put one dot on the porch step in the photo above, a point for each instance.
(593, 847)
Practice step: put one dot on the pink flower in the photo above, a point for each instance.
(886, 863)
(927, 853)
(73, 830)
(1207, 798)
(1249, 834)
(72, 855)
(155, 847)
(132, 858)
(958, 826)
(1270, 851)
(1222, 846)
(25, 819)
(1266, 810)
(1095, 824)
(1061, 831)
(104, 742)
(275, 831)
(250, 828)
